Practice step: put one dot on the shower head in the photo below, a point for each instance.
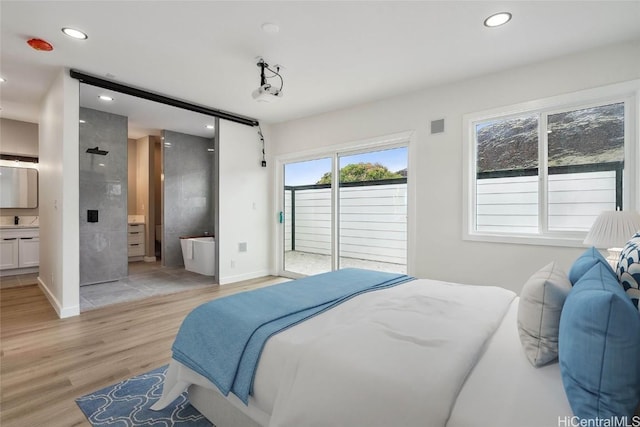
(96, 150)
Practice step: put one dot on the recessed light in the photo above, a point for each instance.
(76, 34)
(210, 126)
(82, 121)
(497, 19)
(105, 98)
(211, 150)
(270, 27)
(2, 80)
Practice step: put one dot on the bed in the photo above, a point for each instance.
(418, 352)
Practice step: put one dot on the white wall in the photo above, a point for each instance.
(59, 196)
(145, 190)
(132, 178)
(18, 138)
(244, 205)
(441, 253)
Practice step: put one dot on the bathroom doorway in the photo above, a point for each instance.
(152, 157)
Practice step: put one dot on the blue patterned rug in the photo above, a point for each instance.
(127, 404)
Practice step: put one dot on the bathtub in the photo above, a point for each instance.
(199, 254)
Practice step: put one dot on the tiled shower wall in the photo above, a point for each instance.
(188, 163)
(103, 187)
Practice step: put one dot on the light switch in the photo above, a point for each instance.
(92, 215)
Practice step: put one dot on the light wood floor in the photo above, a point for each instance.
(46, 362)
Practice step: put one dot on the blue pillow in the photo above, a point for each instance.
(629, 269)
(599, 347)
(584, 263)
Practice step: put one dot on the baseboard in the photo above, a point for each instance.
(18, 271)
(149, 259)
(240, 277)
(61, 311)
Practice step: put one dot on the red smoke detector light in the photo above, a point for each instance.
(39, 44)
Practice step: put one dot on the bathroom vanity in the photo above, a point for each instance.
(19, 250)
(135, 241)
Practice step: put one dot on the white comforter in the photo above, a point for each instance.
(395, 357)
(392, 357)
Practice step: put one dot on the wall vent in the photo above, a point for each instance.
(437, 126)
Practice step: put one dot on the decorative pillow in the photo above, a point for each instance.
(539, 309)
(588, 259)
(629, 269)
(599, 347)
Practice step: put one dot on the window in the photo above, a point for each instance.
(548, 172)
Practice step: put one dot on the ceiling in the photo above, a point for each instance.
(334, 54)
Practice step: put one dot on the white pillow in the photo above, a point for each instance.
(539, 310)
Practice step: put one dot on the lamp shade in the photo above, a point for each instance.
(613, 229)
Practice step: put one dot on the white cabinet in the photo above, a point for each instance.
(9, 253)
(19, 249)
(135, 240)
(29, 248)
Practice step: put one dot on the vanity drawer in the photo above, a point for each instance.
(135, 249)
(135, 237)
(136, 228)
(135, 240)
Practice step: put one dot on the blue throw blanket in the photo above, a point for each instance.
(222, 339)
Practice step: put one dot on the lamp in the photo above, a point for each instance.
(612, 230)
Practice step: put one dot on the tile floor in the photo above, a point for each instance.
(145, 279)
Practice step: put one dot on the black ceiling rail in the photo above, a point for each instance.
(18, 158)
(162, 99)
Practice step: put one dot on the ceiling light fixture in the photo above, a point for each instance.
(73, 33)
(210, 126)
(82, 121)
(497, 19)
(2, 80)
(105, 98)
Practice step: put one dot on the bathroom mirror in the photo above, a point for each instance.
(18, 187)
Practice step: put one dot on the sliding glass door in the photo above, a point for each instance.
(307, 217)
(373, 210)
(355, 219)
